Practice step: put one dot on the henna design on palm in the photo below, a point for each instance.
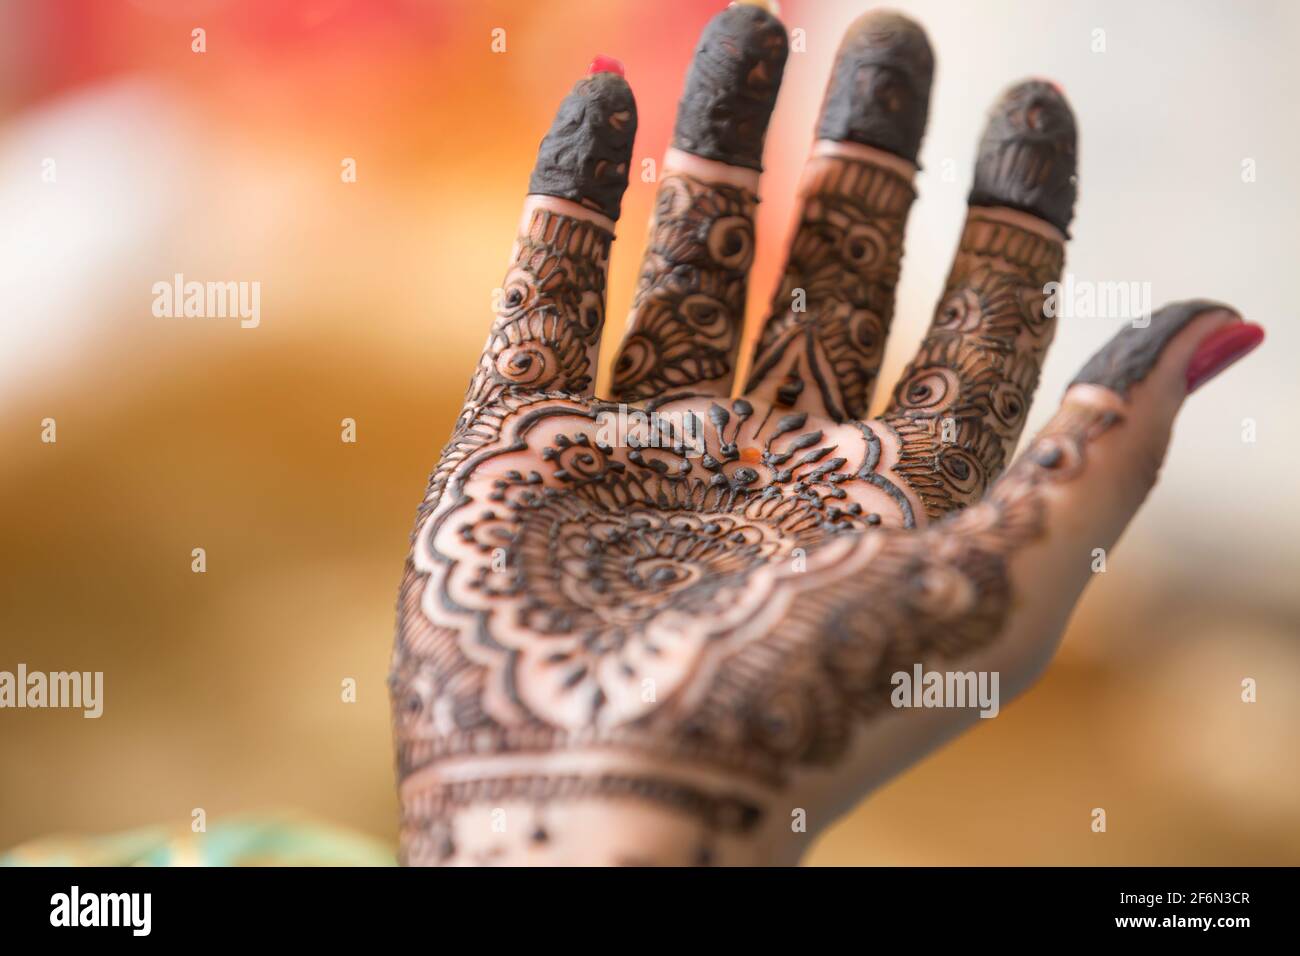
(698, 617)
(539, 601)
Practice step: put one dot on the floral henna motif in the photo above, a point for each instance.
(600, 567)
(959, 407)
(821, 349)
(686, 319)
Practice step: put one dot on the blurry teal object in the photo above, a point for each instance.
(265, 840)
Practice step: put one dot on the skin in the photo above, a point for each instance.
(663, 648)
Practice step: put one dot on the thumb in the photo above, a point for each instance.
(1128, 396)
(1081, 480)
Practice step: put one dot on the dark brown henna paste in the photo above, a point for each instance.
(879, 93)
(732, 86)
(900, 598)
(1130, 355)
(585, 156)
(1027, 157)
(844, 264)
(686, 319)
(575, 570)
(942, 591)
(960, 405)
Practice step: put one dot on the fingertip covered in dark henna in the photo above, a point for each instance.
(1027, 156)
(1128, 357)
(586, 155)
(879, 93)
(731, 87)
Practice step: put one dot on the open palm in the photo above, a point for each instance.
(691, 606)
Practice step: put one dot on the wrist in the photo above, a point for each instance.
(503, 814)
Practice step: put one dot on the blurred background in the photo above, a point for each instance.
(222, 689)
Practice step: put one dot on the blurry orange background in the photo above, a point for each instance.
(222, 690)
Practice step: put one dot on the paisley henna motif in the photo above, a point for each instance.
(686, 319)
(550, 312)
(960, 405)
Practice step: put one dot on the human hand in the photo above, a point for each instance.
(658, 639)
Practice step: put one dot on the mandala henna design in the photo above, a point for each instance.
(538, 602)
(845, 258)
(960, 405)
(686, 319)
(587, 572)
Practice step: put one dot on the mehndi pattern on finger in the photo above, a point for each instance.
(961, 403)
(686, 318)
(550, 310)
(823, 343)
(1027, 156)
(1131, 354)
